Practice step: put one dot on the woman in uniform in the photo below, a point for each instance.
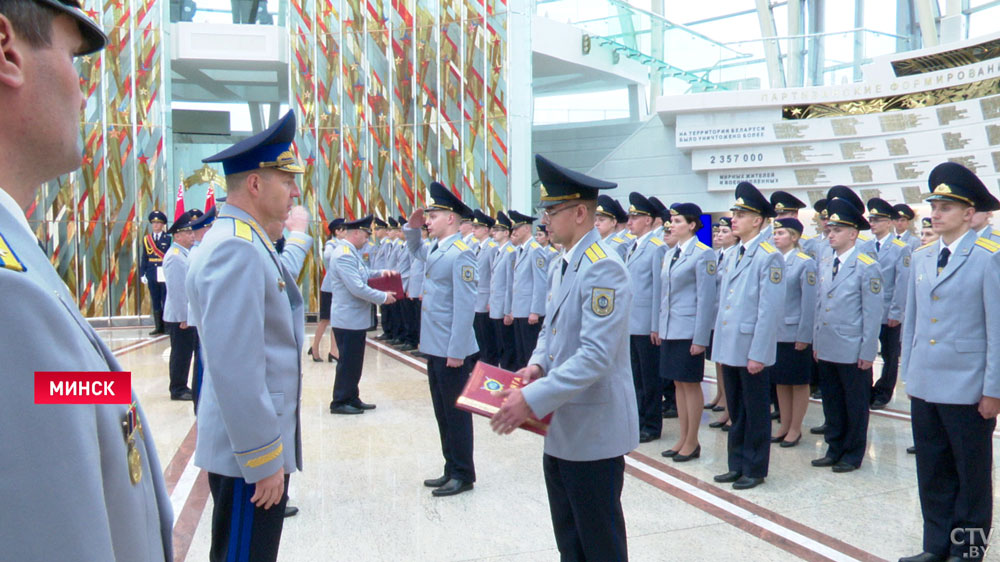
(927, 234)
(725, 241)
(687, 300)
(793, 365)
(336, 230)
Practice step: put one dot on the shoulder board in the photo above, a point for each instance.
(243, 230)
(767, 247)
(926, 246)
(995, 232)
(990, 245)
(595, 253)
(510, 249)
(491, 244)
(8, 259)
(630, 236)
(474, 240)
(344, 251)
(805, 237)
(657, 241)
(864, 237)
(535, 245)
(701, 245)
(553, 250)
(899, 242)
(177, 252)
(865, 259)
(804, 255)
(617, 239)
(461, 245)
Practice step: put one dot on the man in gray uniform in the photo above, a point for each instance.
(606, 221)
(183, 338)
(950, 362)
(249, 313)
(902, 221)
(580, 374)
(446, 334)
(525, 303)
(81, 482)
(501, 277)
(486, 334)
(983, 228)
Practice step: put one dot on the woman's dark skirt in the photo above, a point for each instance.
(677, 363)
(325, 302)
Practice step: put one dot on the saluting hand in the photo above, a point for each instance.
(416, 219)
(269, 491)
(989, 407)
(513, 412)
(298, 219)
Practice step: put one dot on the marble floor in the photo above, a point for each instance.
(361, 495)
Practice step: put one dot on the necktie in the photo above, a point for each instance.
(564, 265)
(677, 254)
(434, 247)
(739, 256)
(878, 246)
(721, 255)
(279, 245)
(836, 265)
(631, 250)
(899, 237)
(943, 259)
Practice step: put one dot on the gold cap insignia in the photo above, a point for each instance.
(286, 162)
(739, 201)
(942, 188)
(835, 217)
(673, 212)
(779, 207)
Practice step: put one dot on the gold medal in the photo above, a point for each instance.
(134, 462)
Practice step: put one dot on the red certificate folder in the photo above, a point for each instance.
(478, 398)
(391, 284)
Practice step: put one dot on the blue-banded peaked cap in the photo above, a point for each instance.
(442, 199)
(271, 148)
(749, 198)
(844, 213)
(205, 220)
(560, 184)
(364, 223)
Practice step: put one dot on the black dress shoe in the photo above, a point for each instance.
(185, 395)
(419, 354)
(818, 430)
(382, 337)
(437, 482)
(747, 482)
(719, 409)
(731, 476)
(844, 467)
(923, 557)
(779, 438)
(710, 405)
(330, 358)
(787, 444)
(696, 453)
(716, 424)
(818, 395)
(647, 437)
(313, 355)
(670, 413)
(824, 461)
(669, 453)
(878, 405)
(345, 409)
(726, 428)
(406, 347)
(775, 415)
(912, 450)
(362, 405)
(452, 487)
(291, 511)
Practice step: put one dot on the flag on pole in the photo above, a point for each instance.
(210, 198)
(179, 207)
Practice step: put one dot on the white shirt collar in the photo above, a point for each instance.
(13, 208)
(643, 238)
(569, 254)
(953, 247)
(846, 255)
(789, 253)
(885, 240)
(752, 241)
(684, 246)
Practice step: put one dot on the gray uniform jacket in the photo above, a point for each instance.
(951, 330)
(448, 307)
(329, 249)
(530, 286)
(415, 288)
(894, 260)
(617, 242)
(293, 257)
(251, 320)
(911, 240)
(583, 349)
(800, 299)
(751, 303)
(848, 309)
(644, 270)
(687, 295)
(350, 307)
(404, 262)
(501, 276)
(378, 257)
(368, 252)
(66, 490)
(175, 266)
(815, 246)
(990, 233)
(484, 259)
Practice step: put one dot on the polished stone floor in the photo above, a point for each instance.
(361, 496)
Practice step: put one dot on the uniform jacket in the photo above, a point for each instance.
(894, 259)
(484, 259)
(329, 249)
(530, 286)
(379, 256)
(501, 276)
(175, 266)
(990, 233)
(67, 494)
(448, 306)
(415, 288)
(911, 240)
(750, 305)
(814, 246)
(583, 349)
(350, 307)
(404, 261)
(250, 316)
(951, 331)
(800, 299)
(687, 294)
(153, 252)
(368, 252)
(644, 269)
(848, 309)
(618, 242)
(293, 257)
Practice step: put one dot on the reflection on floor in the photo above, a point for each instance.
(361, 495)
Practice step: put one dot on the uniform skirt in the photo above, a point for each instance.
(791, 366)
(677, 363)
(325, 303)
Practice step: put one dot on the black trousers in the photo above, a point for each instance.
(525, 339)
(585, 503)
(183, 344)
(889, 341)
(197, 378)
(454, 425)
(748, 398)
(648, 384)
(412, 308)
(157, 291)
(486, 338)
(954, 475)
(241, 531)
(846, 391)
(351, 344)
(508, 349)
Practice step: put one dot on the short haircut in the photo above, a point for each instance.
(31, 21)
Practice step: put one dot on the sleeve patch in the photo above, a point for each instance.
(906, 261)
(540, 262)
(602, 301)
(243, 230)
(876, 285)
(710, 267)
(775, 275)
(811, 277)
(468, 273)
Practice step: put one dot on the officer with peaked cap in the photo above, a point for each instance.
(951, 337)
(818, 244)
(902, 225)
(335, 231)
(745, 340)
(351, 305)
(786, 205)
(199, 227)
(927, 234)
(893, 257)
(409, 322)
(486, 333)
(845, 337)
(501, 278)
(606, 221)
(643, 260)
(391, 326)
(183, 338)
(726, 242)
(446, 334)
(525, 304)
(580, 372)
(248, 413)
(661, 216)
(81, 482)
(154, 248)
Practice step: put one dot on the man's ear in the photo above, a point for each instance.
(11, 61)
